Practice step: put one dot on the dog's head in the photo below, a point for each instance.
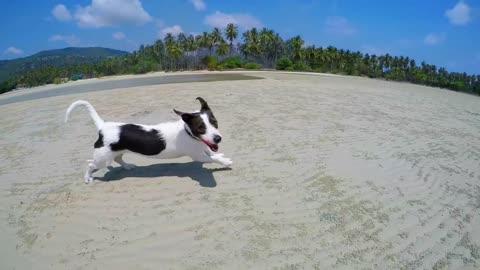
(203, 125)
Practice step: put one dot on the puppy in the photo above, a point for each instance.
(196, 135)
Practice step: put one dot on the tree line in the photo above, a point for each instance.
(217, 50)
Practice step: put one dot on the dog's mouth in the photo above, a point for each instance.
(212, 146)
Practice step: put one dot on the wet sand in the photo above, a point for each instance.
(119, 82)
(329, 173)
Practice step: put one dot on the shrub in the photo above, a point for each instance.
(144, 66)
(252, 65)
(232, 62)
(210, 62)
(8, 86)
(57, 80)
(289, 68)
(457, 85)
(299, 66)
(283, 63)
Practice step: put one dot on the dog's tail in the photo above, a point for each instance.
(96, 118)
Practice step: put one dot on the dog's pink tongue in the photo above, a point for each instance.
(213, 147)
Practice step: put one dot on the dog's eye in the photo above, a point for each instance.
(202, 127)
(215, 123)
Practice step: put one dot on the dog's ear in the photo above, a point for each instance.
(186, 117)
(204, 104)
(178, 112)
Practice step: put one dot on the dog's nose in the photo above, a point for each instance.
(217, 139)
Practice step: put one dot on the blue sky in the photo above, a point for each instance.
(442, 32)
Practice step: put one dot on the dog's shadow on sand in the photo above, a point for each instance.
(193, 170)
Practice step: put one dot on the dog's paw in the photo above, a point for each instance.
(226, 161)
(128, 166)
(88, 179)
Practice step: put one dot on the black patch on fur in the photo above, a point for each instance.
(99, 142)
(195, 123)
(211, 118)
(136, 139)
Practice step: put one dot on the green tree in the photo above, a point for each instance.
(216, 36)
(222, 48)
(205, 41)
(251, 46)
(231, 32)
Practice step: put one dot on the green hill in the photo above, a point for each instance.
(58, 57)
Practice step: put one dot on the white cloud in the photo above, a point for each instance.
(159, 23)
(339, 26)
(374, 50)
(61, 13)
(70, 39)
(118, 35)
(435, 38)
(219, 19)
(103, 13)
(459, 14)
(198, 4)
(13, 50)
(174, 30)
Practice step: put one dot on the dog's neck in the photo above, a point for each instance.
(187, 130)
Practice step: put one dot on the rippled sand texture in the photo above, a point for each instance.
(329, 172)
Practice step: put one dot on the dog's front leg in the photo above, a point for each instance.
(221, 159)
(216, 158)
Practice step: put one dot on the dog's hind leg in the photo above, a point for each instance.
(126, 166)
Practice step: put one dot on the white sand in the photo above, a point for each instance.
(329, 172)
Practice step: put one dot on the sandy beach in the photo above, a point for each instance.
(329, 172)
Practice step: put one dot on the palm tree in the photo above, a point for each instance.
(251, 46)
(222, 48)
(216, 36)
(183, 45)
(296, 44)
(191, 47)
(311, 56)
(332, 55)
(170, 47)
(388, 61)
(265, 41)
(278, 47)
(169, 39)
(205, 41)
(231, 32)
(159, 51)
(174, 52)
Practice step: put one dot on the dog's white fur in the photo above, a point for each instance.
(178, 142)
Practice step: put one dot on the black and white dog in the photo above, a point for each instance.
(196, 135)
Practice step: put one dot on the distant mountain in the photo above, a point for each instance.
(59, 57)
